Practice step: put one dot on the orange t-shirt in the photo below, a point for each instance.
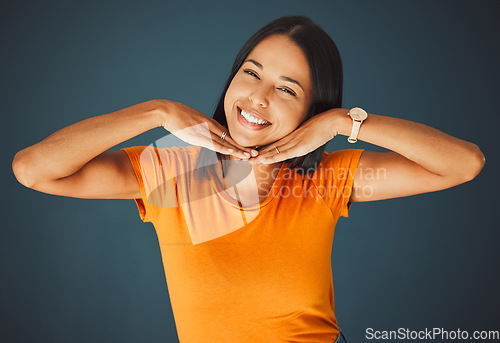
(256, 274)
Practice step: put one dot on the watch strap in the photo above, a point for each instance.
(353, 138)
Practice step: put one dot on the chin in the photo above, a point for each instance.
(257, 147)
(247, 143)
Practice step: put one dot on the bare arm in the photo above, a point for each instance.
(423, 159)
(74, 162)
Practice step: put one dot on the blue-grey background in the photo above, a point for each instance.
(76, 270)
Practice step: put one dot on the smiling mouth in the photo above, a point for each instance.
(252, 120)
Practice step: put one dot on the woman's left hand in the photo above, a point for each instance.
(310, 135)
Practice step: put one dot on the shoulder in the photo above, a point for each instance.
(153, 155)
(181, 152)
(340, 158)
(173, 151)
(337, 165)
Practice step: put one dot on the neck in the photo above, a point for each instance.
(242, 171)
(246, 176)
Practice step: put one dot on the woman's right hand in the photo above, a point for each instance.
(196, 128)
(74, 160)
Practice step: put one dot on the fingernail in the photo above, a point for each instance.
(255, 152)
(230, 150)
(246, 154)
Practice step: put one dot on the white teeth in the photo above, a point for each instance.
(252, 119)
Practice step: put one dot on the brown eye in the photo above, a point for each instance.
(249, 72)
(286, 90)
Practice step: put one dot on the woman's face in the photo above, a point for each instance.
(273, 88)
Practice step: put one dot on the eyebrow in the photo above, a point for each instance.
(285, 78)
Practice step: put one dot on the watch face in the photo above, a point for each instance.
(358, 113)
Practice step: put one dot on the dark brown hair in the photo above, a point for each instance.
(326, 74)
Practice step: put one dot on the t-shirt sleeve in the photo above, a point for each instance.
(334, 179)
(152, 168)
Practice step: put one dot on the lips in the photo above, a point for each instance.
(250, 125)
(250, 118)
(253, 114)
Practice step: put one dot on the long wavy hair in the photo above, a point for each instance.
(326, 74)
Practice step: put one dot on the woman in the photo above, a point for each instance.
(246, 232)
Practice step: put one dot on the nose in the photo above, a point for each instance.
(259, 96)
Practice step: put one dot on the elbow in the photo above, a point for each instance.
(475, 163)
(22, 171)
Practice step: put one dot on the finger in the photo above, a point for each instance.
(229, 139)
(282, 153)
(282, 142)
(215, 132)
(277, 157)
(285, 154)
(221, 147)
(218, 131)
(228, 148)
(210, 140)
(244, 149)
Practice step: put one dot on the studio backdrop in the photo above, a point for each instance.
(75, 270)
